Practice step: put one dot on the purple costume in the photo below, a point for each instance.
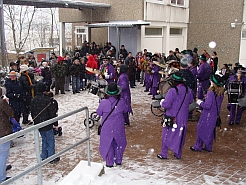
(232, 107)
(123, 82)
(113, 136)
(207, 122)
(155, 79)
(203, 76)
(147, 80)
(109, 69)
(174, 138)
(193, 69)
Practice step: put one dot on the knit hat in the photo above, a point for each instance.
(12, 73)
(217, 80)
(23, 68)
(60, 58)
(44, 64)
(113, 89)
(40, 87)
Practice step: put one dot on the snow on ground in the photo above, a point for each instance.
(140, 165)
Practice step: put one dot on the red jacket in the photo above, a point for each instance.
(91, 63)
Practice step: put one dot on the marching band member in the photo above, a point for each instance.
(172, 67)
(176, 104)
(207, 122)
(123, 82)
(147, 69)
(155, 79)
(107, 70)
(203, 76)
(236, 111)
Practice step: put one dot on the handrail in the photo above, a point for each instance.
(37, 146)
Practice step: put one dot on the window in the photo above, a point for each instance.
(153, 31)
(177, 2)
(80, 35)
(175, 31)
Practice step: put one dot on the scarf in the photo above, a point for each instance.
(30, 81)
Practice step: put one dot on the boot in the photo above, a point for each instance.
(25, 119)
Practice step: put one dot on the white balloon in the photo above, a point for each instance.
(212, 44)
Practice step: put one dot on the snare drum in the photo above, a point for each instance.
(94, 88)
(235, 91)
(102, 83)
(163, 87)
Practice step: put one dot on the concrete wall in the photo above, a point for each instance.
(210, 20)
(166, 13)
(120, 10)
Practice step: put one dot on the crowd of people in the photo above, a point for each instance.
(191, 78)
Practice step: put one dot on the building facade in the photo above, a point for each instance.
(221, 21)
(157, 25)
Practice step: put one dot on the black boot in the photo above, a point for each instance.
(25, 119)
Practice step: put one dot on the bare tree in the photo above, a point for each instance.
(19, 19)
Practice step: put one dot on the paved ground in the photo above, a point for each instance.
(225, 165)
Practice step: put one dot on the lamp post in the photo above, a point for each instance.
(3, 46)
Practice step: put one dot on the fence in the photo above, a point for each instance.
(37, 146)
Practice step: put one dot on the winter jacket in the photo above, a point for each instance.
(27, 87)
(59, 70)
(14, 92)
(48, 105)
(74, 70)
(83, 71)
(45, 72)
(6, 112)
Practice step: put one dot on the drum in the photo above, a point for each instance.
(163, 87)
(235, 91)
(102, 83)
(93, 88)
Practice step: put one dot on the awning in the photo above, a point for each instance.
(41, 49)
(119, 24)
(57, 4)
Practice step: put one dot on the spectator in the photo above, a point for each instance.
(28, 83)
(59, 71)
(68, 62)
(45, 72)
(171, 56)
(123, 51)
(14, 93)
(75, 71)
(91, 63)
(82, 74)
(84, 49)
(6, 112)
(43, 109)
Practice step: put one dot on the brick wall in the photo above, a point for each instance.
(211, 20)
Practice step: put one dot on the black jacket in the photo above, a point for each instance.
(38, 103)
(75, 70)
(14, 92)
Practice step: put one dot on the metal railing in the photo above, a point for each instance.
(37, 145)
